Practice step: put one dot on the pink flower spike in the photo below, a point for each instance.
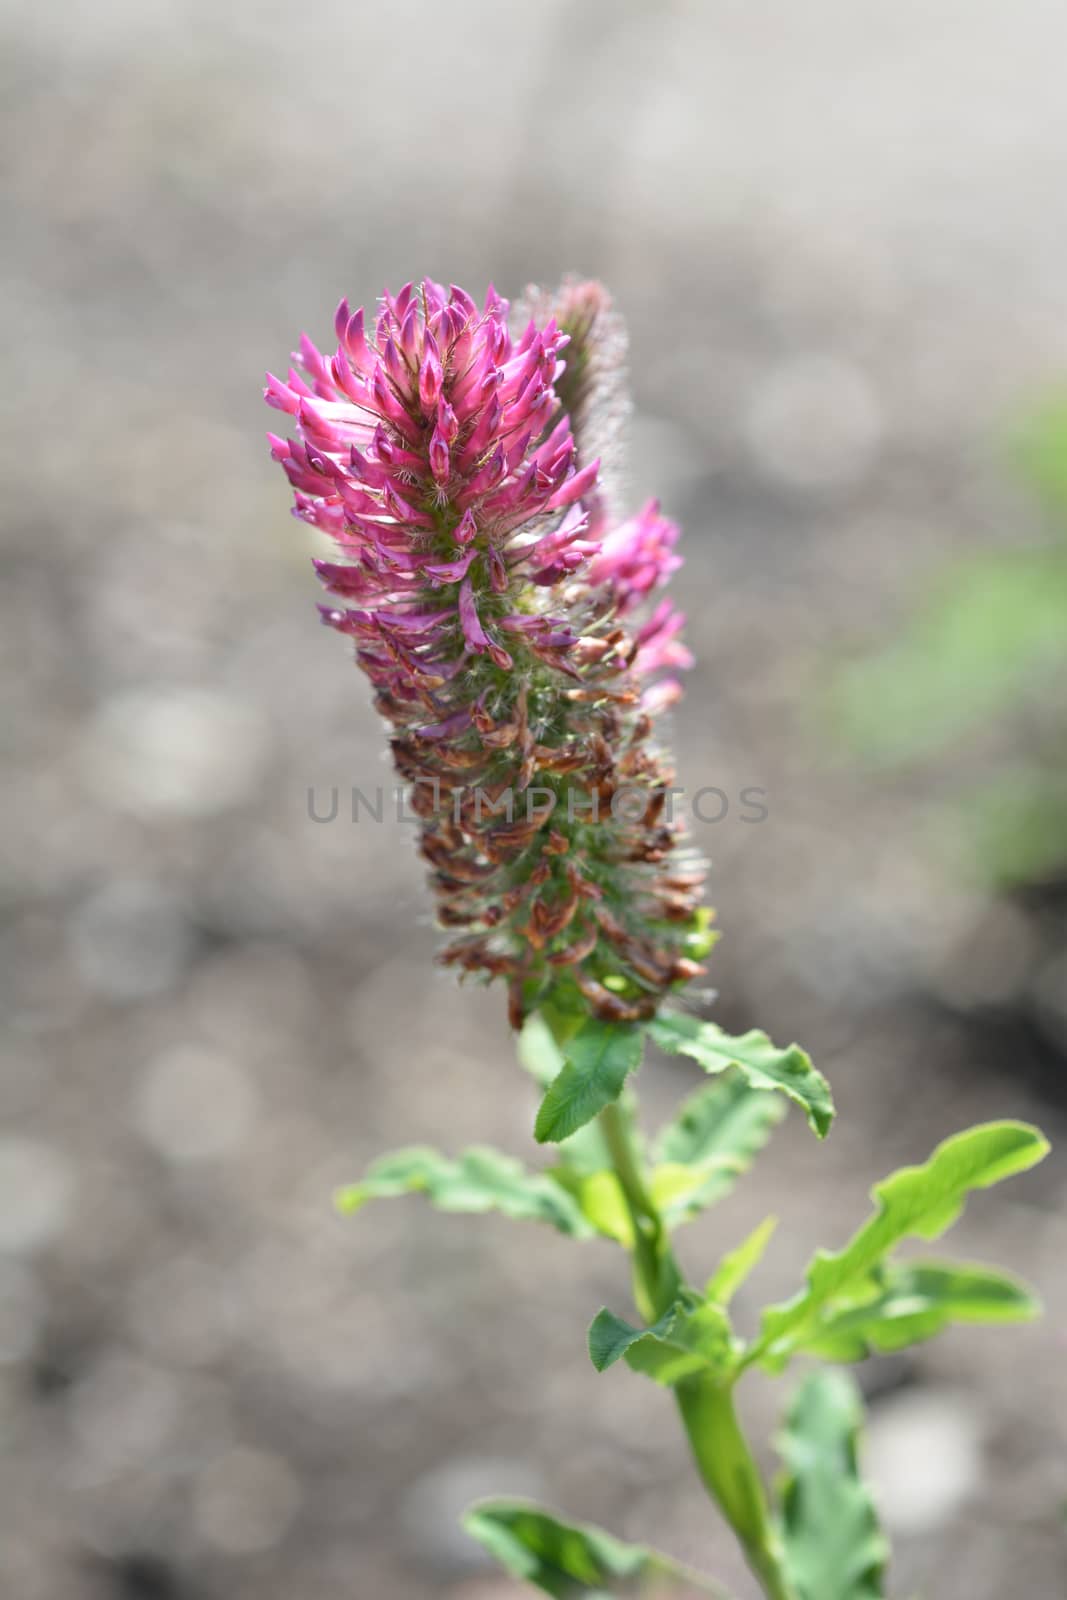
(456, 467)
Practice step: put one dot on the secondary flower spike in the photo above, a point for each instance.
(507, 629)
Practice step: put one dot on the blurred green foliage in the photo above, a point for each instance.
(985, 656)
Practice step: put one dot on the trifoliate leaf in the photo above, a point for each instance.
(834, 1549)
(762, 1064)
(598, 1059)
(572, 1561)
(713, 1139)
(481, 1179)
(916, 1202)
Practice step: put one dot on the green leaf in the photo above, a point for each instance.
(601, 1201)
(735, 1267)
(598, 1059)
(713, 1139)
(679, 1193)
(916, 1202)
(914, 1301)
(585, 1170)
(571, 1560)
(480, 1180)
(693, 1336)
(834, 1549)
(724, 1118)
(585, 1151)
(610, 1337)
(762, 1064)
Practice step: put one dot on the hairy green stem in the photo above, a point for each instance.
(720, 1449)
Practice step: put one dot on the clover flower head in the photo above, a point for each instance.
(498, 615)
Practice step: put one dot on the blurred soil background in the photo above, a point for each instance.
(839, 234)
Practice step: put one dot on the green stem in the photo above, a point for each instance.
(732, 1478)
(656, 1276)
(720, 1449)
